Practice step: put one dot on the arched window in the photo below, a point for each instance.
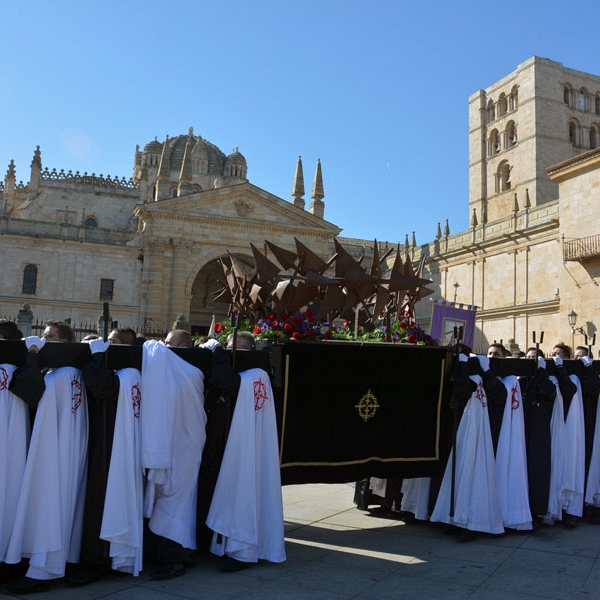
(29, 279)
(567, 94)
(513, 101)
(574, 132)
(510, 134)
(581, 99)
(593, 137)
(503, 177)
(502, 105)
(490, 111)
(494, 143)
(91, 222)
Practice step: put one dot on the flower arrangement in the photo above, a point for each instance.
(302, 325)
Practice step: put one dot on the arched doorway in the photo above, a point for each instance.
(204, 289)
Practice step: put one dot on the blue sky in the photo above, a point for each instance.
(378, 90)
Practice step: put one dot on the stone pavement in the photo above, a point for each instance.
(336, 552)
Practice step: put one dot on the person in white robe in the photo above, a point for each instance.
(475, 496)
(122, 522)
(15, 431)
(173, 425)
(574, 456)
(48, 522)
(246, 513)
(557, 436)
(511, 462)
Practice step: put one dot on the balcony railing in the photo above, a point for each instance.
(581, 248)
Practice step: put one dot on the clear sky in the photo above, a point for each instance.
(376, 89)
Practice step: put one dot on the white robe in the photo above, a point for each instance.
(173, 424)
(592, 492)
(15, 432)
(557, 440)
(511, 461)
(48, 523)
(476, 496)
(122, 522)
(574, 455)
(246, 512)
(415, 497)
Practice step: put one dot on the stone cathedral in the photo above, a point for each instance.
(150, 245)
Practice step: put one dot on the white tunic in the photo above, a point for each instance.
(511, 461)
(246, 512)
(415, 497)
(557, 440)
(122, 521)
(574, 455)
(48, 523)
(476, 496)
(15, 431)
(173, 425)
(592, 492)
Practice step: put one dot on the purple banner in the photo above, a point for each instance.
(448, 315)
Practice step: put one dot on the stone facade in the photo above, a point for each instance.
(510, 263)
(150, 245)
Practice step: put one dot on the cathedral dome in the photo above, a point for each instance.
(153, 147)
(200, 147)
(235, 164)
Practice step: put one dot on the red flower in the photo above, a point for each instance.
(284, 316)
(274, 323)
(296, 335)
(310, 333)
(271, 316)
(287, 327)
(256, 330)
(308, 312)
(329, 334)
(218, 327)
(296, 320)
(403, 324)
(411, 339)
(346, 323)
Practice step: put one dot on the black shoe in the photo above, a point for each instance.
(569, 521)
(465, 536)
(82, 577)
(168, 571)
(26, 585)
(230, 565)
(11, 572)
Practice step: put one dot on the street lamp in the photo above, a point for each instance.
(572, 316)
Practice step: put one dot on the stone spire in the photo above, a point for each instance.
(474, 218)
(185, 175)
(298, 187)
(36, 171)
(516, 204)
(164, 173)
(9, 186)
(527, 199)
(317, 206)
(447, 229)
(438, 233)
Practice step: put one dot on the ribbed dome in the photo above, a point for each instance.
(153, 147)
(236, 158)
(216, 158)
